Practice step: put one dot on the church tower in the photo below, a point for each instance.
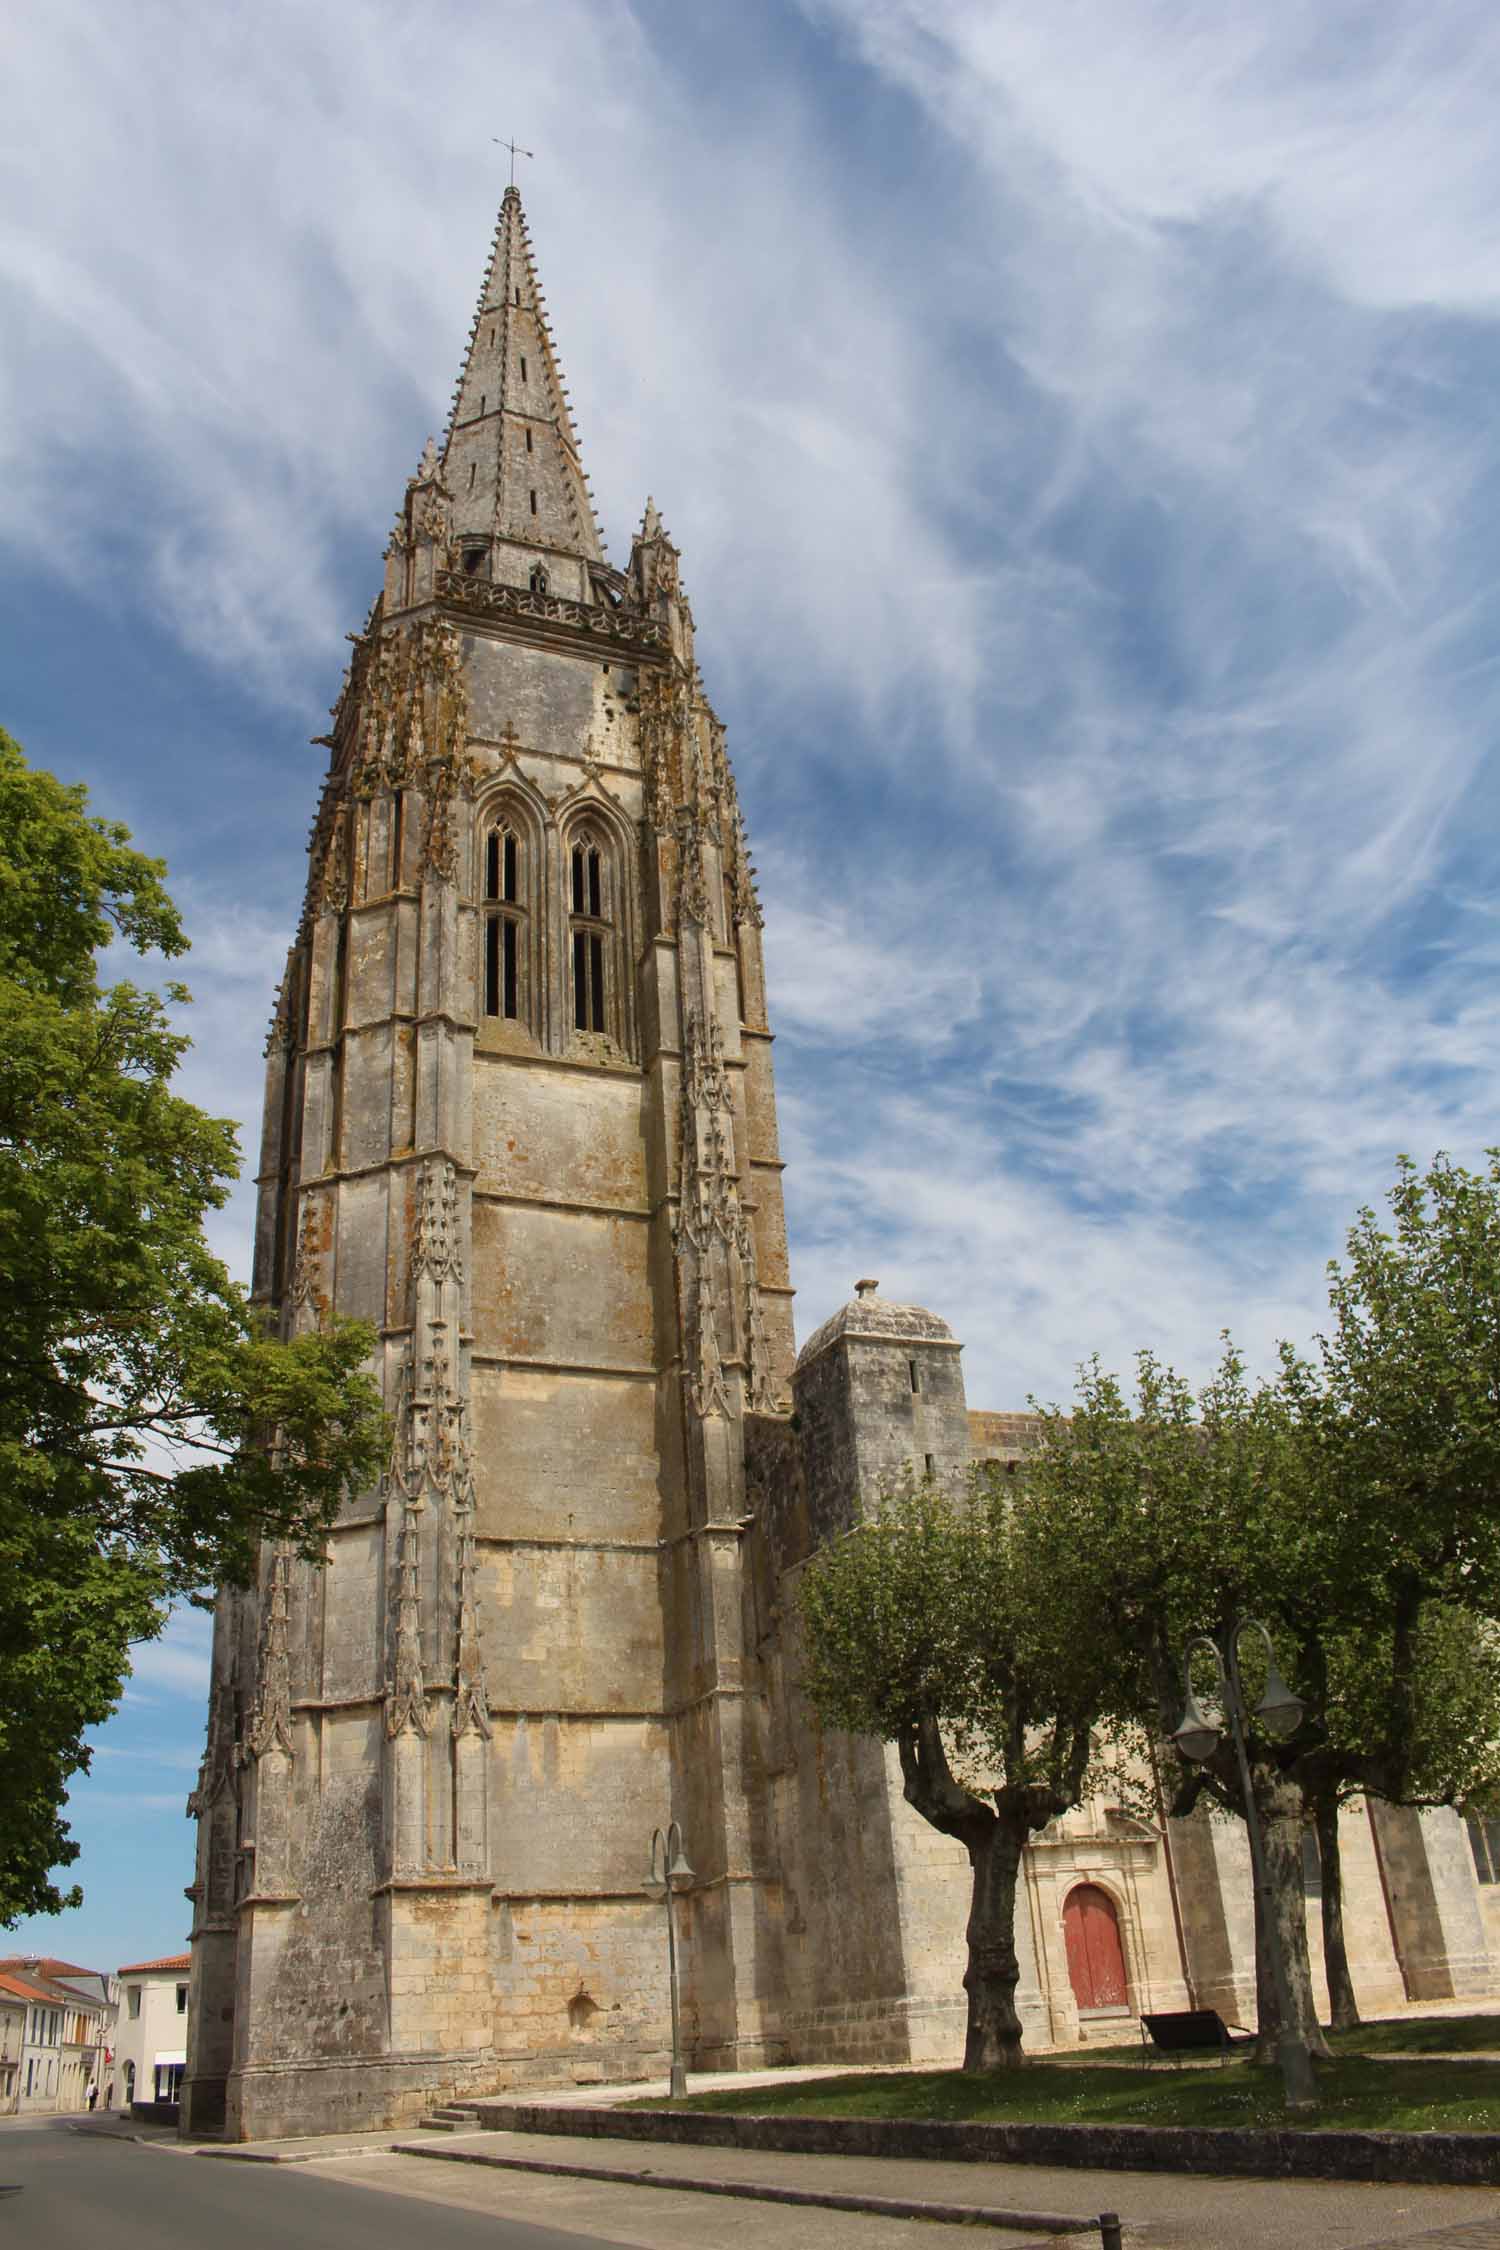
(519, 1117)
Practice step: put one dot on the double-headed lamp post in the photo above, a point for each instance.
(1280, 1713)
(670, 1873)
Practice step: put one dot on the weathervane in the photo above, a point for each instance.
(515, 151)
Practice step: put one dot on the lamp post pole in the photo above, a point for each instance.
(674, 1875)
(1197, 1739)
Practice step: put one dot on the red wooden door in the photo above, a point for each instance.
(1096, 1964)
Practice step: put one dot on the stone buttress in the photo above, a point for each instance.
(520, 1118)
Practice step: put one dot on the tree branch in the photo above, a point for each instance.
(929, 1786)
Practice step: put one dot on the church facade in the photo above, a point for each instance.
(520, 1116)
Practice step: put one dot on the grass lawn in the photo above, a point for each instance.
(1357, 2092)
(1390, 2035)
(1421, 2035)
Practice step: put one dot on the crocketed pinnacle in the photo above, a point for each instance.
(510, 457)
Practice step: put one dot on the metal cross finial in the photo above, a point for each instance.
(515, 151)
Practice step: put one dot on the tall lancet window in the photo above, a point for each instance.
(505, 919)
(591, 929)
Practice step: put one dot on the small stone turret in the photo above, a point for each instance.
(879, 1391)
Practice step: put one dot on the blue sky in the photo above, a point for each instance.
(1081, 423)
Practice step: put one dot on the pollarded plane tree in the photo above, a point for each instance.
(927, 1627)
(1351, 1503)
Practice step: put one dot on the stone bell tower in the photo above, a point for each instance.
(519, 1117)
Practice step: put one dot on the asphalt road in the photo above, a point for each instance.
(83, 2186)
(83, 2189)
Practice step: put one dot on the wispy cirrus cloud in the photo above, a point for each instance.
(1213, 843)
(1078, 421)
(177, 1662)
(1086, 507)
(178, 1760)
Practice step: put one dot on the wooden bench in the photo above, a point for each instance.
(1189, 2031)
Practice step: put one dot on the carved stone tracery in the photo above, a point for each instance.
(438, 1249)
(406, 1695)
(329, 891)
(271, 1723)
(432, 1462)
(305, 1292)
(620, 627)
(414, 711)
(221, 1749)
(471, 1689)
(708, 1391)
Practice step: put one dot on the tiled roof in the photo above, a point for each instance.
(145, 1968)
(20, 1989)
(44, 1965)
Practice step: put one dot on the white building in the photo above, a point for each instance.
(151, 2043)
(13, 2011)
(66, 2037)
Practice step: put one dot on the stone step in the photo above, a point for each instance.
(449, 2117)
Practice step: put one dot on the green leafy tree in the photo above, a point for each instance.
(1407, 1423)
(926, 1627)
(1175, 1514)
(1454, 1750)
(1161, 1515)
(151, 1433)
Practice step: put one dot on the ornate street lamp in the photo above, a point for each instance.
(1196, 1736)
(671, 1873)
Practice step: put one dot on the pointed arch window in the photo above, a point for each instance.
(592, 934)
(506, 925)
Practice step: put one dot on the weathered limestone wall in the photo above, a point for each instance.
(1435, 1914)
(1218, 1910)
(835, 1805)
(1213, 1860)
(1373, 1966)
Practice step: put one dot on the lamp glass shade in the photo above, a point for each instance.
(1195, 1735)
(1279, 1711)
(681, 1873)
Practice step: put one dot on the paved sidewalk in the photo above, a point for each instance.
(1483, 2234)
(308, 2149)
(1159, 2209)
(882, 2189)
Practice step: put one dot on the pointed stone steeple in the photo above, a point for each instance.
(510, 458)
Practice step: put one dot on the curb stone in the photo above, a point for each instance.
(251, 2155)
(1049, 2223)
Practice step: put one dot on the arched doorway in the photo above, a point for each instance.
(1096, 1962)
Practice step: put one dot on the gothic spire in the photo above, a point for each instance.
(510, 456)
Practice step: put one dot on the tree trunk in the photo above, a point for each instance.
(1280, 1802)
(993, 2040)
(1343, 2008)
(1267, 2007)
